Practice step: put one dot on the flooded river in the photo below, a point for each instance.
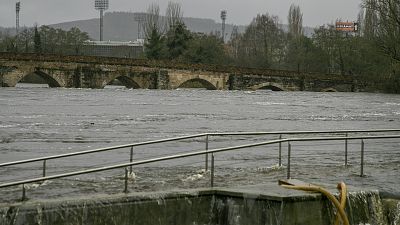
(37, 121)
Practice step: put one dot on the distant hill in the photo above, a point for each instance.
(121, 26)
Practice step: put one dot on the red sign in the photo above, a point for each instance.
(346, 26)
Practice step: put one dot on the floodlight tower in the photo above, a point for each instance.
(17, 9)
(101, 5)
(140, 18)
(223, 18)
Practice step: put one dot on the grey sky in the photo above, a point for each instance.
(316, 12)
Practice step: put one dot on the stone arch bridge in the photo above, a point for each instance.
(97, 72)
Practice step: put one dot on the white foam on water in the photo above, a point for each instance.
(392, 103)
(9, 125)
(200, 174)
(270, 103)
(37, 185)
(374, 114)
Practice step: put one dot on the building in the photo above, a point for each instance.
(129, 49)
(346, 26)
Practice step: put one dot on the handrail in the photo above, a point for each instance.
(303, 132)
(196, 153)
(100, 150)
(189, 137)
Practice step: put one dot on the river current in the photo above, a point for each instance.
(36, 121)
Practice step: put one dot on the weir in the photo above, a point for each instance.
(267, 204)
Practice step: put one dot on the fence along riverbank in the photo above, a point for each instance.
(206, 153)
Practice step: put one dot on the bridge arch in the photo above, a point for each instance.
(198, 82)
(268, 85)
(16, 75)
(50, 80)
(125, 80)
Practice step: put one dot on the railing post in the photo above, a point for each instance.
(206, 153)
(345, 151)
(288, 160)
(126, 181)
(212, 169)
(23, 193)
(362, 158)
(131, 159)
(44, 168)
(280, 151)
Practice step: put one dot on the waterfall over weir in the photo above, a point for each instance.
(267, 204)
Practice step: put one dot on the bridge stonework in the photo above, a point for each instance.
(209, 79)
(97, 72)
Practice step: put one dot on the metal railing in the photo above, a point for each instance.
(205, 152)
(92, 151)
(206, 135)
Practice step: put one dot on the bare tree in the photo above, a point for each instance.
(234, 42)
(153, 20)
(360, 22)
(261, 45)
(295, 21)
(173, 14)
(387, 28)
(370, 20)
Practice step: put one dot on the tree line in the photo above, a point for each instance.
(372, 53)
(167, 38)
(45, 39)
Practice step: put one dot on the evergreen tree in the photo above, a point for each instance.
(205, 49)
(154, 46)
(177, 40)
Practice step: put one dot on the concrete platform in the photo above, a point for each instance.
(256, 204)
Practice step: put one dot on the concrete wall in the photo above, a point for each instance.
(391, 207)
(215, 207)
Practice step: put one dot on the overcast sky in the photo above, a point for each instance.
(241, 12)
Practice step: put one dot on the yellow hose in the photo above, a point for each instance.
(332, 198)
(343, 193)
